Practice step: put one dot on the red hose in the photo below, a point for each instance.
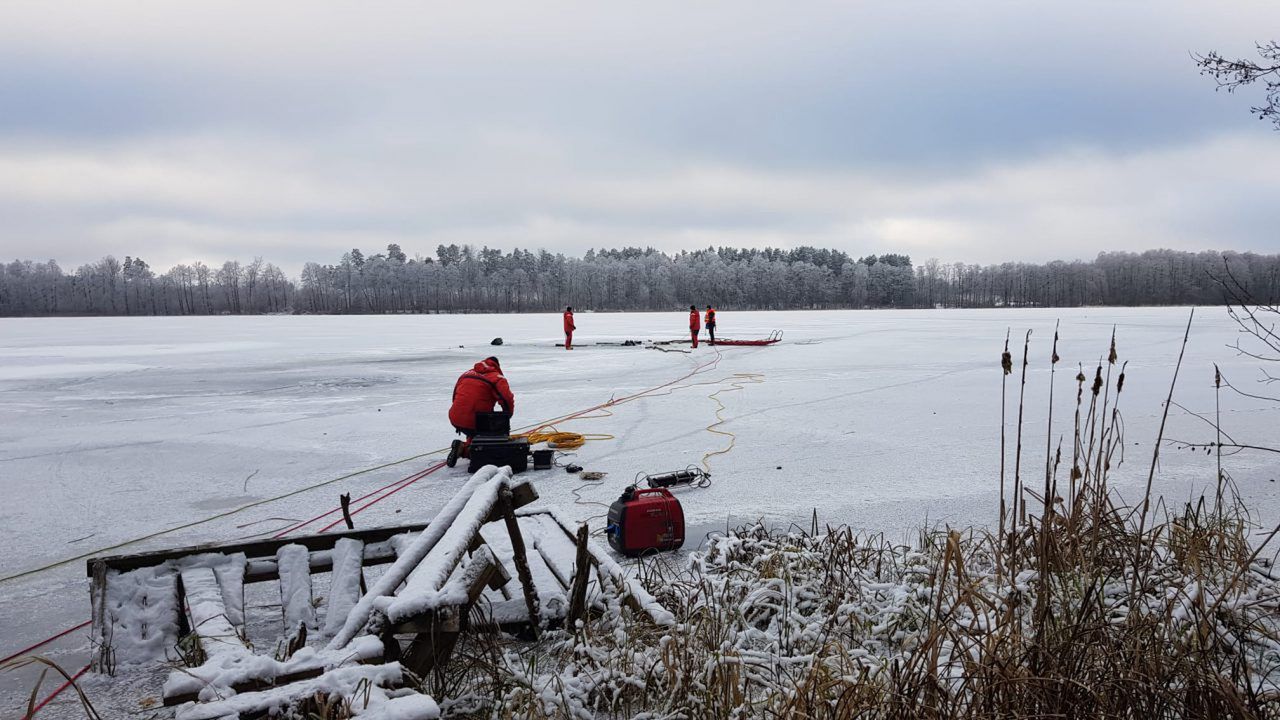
(379, 499)
(56, 693)
(294, 528)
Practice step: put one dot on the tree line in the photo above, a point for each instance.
(463, 279)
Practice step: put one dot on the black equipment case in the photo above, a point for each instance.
(500, 451)
(493, 424)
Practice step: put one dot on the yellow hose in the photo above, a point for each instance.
(736, 383)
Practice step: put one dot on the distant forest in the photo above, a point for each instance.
(462, 279)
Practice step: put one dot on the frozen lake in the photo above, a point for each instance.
(117, 428)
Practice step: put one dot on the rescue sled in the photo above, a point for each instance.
(774, 338)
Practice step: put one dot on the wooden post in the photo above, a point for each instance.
(581, 575)
(345, 501)
(103, 658)
(521, 560)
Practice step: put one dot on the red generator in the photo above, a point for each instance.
(645, 520)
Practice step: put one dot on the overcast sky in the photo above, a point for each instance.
(976, 132)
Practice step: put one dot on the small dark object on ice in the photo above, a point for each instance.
(573, 468)
(630, 343)
(496, 341)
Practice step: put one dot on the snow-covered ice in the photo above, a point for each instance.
(117, 428)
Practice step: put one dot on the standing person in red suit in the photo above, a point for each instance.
(569, 327)
(711, 323)
(477, 391)
(695, 324)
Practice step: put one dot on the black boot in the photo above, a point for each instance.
(454, 451)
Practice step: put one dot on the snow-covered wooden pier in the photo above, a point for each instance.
(486, 563)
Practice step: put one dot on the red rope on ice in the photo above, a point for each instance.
(44, 642)
(405, 481)
(56, 693)
(379, 499)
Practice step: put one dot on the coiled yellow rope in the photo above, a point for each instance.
(561, 440)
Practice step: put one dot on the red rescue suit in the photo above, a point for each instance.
(477, 391)
(711, 324)
(569, 327)
(695, 325)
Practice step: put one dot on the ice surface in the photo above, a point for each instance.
(879, 419)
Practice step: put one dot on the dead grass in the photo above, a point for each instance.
(1077, 606)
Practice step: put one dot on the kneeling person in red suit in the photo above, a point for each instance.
(479, 390)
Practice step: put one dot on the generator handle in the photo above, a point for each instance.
(651, 491)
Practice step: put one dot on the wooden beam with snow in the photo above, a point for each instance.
(581, 576)
(254, 549)
(633, 594)
(207, 614)
(425, 567)
(346, 584)
(436, 631)
(295, 588)
(506, 508)
(186, 684)
(345, 682)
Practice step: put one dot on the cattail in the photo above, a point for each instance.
(1080, 378)
(1111, 356)
(1097, 381)
(1006, 362)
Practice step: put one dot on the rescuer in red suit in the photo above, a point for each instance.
(711, 323)
(477, 391)
(695, 324)
(569, 327)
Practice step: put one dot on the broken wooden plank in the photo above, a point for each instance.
(379, 553)
(633, 594)
(581, 576)
(522, 493)
(343, 682)
(253, 549)
(459, 592)
(295, 588)
(520, 556)
(433, 644)
(230, 575)
(344, 585)
(221, 676)
(553, 545)
(208, 614)
(425, 569)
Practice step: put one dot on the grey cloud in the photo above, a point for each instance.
(973, 132)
